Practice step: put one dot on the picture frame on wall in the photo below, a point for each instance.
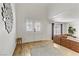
(37, 26)
(29, 26)
(34, 27)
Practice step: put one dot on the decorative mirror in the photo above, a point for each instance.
(7, 16)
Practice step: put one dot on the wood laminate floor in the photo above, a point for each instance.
(26, 48)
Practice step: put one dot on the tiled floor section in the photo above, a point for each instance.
(26, 49)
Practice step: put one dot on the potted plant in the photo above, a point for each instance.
(71, 30)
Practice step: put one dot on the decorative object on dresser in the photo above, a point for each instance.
(7, 16)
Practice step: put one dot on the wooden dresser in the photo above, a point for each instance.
(68, 43)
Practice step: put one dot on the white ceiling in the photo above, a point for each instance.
(63, 12)
(59, 12)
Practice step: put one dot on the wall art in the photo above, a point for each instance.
(7, 16)
(29, 26)
(37, 26)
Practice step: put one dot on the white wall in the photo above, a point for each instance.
(7, 41)
(34, 13)
(65, 28)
